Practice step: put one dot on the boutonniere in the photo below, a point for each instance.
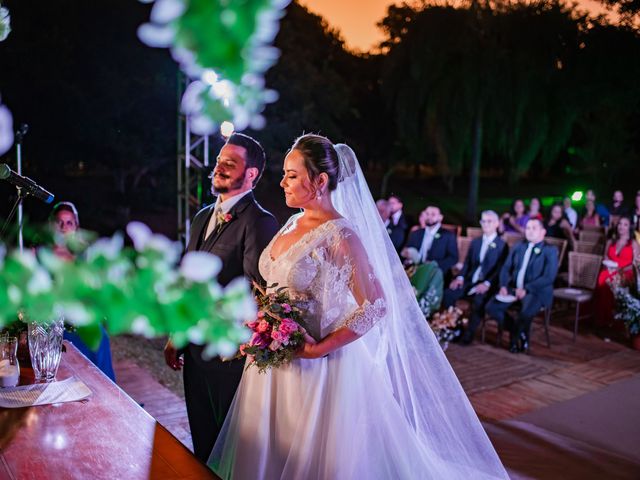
(223, 218)
(389, 230)
(536, 250)
(437, 235)
(492, 245)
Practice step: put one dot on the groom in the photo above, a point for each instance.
(236, 229)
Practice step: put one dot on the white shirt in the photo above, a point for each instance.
(486, 241)
(395, 218)
(427, 240)
(224, 207)
(572, 215)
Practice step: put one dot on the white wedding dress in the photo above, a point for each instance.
(386, 406)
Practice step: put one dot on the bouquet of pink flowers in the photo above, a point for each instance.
(277, 332)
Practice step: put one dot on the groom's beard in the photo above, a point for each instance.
(431, 224)
(235, 184)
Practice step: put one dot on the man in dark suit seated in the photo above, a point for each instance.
(435, 243)
(396, 222)
(528, 274)
(478, 279)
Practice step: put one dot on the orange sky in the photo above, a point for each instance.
(357, 19)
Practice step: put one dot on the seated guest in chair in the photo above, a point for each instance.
(601, 210)
(478, 279)
(396, 224)
(435, 243)
(557, 226)
(570, 213)
(528, 275)
(590, 217)
(516, 219)
(66, 221)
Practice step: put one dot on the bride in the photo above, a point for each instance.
(371, 395)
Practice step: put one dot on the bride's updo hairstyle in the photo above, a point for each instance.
(320, 156)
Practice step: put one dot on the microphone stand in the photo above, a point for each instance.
(22, 131)
(19, 138)
(17, 206)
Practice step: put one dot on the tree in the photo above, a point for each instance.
(313, 95)
(491, 79)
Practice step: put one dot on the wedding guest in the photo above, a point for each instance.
(636, 217)
(618, 207)
(434, 243)
(601, 210)
(528, 275)
(590, 217)
(517, 219)
(398, 224)
(383, 210)
(570, 212)
(478, 279)
(620, 253)
(66, 222)
(558, 226)
(535, 207)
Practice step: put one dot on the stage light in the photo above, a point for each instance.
(577, 196)
(226, 129)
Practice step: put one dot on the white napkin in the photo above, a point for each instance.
(69, 390)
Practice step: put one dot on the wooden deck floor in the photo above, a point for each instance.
(500, 385)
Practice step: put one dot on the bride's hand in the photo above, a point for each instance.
(309, 349)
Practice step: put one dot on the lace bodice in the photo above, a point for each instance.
(329, 276)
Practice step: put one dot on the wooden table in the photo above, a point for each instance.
(106, 436)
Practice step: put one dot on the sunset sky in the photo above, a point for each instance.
(356, 19)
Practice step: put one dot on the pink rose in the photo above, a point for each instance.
(286, 307)
(288, 326)
(278, 336)
(252, 325)
(261, 314)
(263, 326)
(275, 345)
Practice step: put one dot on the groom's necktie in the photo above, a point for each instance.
(213, 221)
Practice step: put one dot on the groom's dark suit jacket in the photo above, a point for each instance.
(238, 243)
(210, 385)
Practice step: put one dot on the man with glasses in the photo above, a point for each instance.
(478, 279)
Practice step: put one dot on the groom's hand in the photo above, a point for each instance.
(171, 356)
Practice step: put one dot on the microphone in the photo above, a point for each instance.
(21, 132)
(29, 186)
